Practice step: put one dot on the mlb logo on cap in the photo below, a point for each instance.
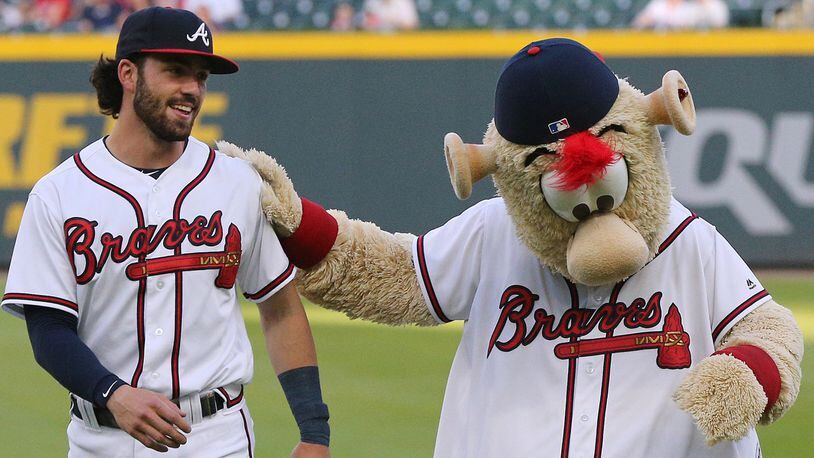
(559, 126)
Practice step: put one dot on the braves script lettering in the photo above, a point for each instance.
(80, 235)
(517, 303)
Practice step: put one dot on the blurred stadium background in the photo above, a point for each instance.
(356, 109)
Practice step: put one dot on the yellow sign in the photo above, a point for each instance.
(47, 127)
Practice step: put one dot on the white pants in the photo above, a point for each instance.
(228, 433)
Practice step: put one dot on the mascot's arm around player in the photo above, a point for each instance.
(584, 189)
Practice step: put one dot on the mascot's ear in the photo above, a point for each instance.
(672, 104)
(467, 163)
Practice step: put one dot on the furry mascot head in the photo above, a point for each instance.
(584, 260)
(576, 156)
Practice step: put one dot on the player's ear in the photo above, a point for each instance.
(128, 74)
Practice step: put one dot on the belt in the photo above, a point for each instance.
(210, 404)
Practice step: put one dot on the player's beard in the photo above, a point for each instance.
(152, 111)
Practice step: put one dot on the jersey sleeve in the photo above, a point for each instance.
(40, 272)
(447, 261)
(736, 289)
(264, 267)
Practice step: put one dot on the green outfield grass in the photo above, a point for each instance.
(384, 387)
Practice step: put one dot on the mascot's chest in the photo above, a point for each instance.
(657, 318)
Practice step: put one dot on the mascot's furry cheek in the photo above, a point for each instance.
(605, 249)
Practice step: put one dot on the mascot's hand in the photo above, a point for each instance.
(281, 204)
(723, 396)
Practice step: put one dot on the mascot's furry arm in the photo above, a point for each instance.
(346, 265)
(753, 376)
(356, 268)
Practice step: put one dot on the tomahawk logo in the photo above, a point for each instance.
(202, 33)
(559, 126)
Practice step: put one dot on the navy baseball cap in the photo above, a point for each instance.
(161, 30)
(552, 89)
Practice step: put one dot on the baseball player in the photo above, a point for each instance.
(126, 262)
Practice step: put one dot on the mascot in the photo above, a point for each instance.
(602, 317)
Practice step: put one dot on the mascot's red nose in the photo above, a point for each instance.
(583, 161)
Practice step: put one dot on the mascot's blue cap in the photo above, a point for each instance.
(552, 89)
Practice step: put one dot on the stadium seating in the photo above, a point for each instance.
(487, 14)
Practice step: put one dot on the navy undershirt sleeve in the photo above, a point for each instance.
(58, 349)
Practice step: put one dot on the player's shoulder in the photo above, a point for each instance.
(236, 168)
(494, 207)
(686, 226)
(61, 176)
(489, 213)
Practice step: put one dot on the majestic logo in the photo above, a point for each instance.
(672, 342)
(80, 235)
(750, 284)
(559, 126)
(201, 33)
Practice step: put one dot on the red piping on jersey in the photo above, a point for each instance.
(425, 275)
(142, 284)
(569, 391)
(41, 298)
(229, 401)
(179, 276)
(274, 283)
(738, 310)
(603, 398)
(246, 429)
(674, 235)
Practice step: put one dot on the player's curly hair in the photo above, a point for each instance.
(105, 78)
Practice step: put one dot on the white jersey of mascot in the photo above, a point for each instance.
(602, 318)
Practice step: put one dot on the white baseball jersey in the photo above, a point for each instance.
(549, 368)
(149, 266)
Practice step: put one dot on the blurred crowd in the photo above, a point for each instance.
(393, 15)
(104, 15)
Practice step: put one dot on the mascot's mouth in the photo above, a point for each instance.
(604, 248)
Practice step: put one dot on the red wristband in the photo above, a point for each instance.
(315, 237)
(762, 365)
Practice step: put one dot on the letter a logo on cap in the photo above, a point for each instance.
(201, 32)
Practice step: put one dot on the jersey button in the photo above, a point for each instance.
(159, 284)
(159, 332)
(584, 418)
(154, 375)
(590, 368)
(156, 189)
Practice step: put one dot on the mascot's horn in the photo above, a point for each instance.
(672, 104)
(467, 163)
